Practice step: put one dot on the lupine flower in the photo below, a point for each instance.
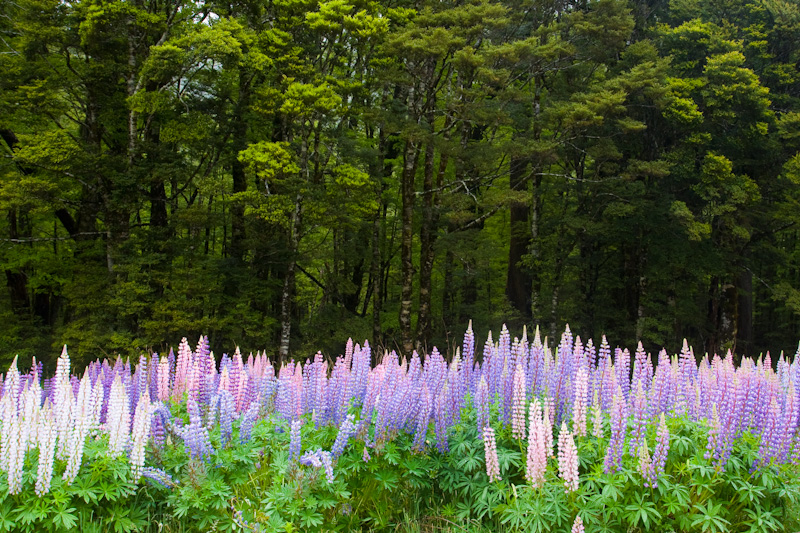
(139, 435)
(659, 459)
(597, 417)
(365, 455)
(519, 401)
(46, 439)
(577, 525)
(346, 430)
(158, 475)
(482, 404)
(227, 411)
(547, 417)
(195, 434)
(295, 444)
(639, 420)
(80, 429)
(536, 463)
(579, 405)
(567, 459)
(423, 419)
(616, 443)
(490, 453)
(118, 419)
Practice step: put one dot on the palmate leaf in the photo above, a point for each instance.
(642, 510)
(64, 518)
(709, 519)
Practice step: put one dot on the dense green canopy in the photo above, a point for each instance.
(289, 173)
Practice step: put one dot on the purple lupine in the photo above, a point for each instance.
(659, 459)
(442, 418)
(247, 420)
(616, 443)
(771, 437)
(195, 434)
(640, 417)
(423, 419)
(346, 430)
(227, 412)
(295, 442)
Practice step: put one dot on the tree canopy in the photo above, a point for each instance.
(287, 174)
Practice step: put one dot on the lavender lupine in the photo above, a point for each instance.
(659, 459)
(640, 417)
(490, 454)
(423, 419)
(567, 459)
(227, 412)
(295, 442)
(616, 443)
(195, 434)
(346, 430)
(482, 404)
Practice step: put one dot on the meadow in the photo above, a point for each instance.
(518, 435)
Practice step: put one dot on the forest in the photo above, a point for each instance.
(284, 174)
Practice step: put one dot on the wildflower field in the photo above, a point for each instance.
(518, 436)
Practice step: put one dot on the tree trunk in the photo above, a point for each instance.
(744, 342)
(410, 156)
(518, 281)
(288, 281)
(426, 240)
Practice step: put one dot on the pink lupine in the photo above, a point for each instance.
(577, 525)
(597, 417)
(567, 459)
(163, 379)
(490, 453)
(548, 426)
(518, 406)
(536, 463)
(579, 405)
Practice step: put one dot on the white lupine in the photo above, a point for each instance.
(8, 414)
(47, 435)
(31, 407)
(140, 434)
(82, 420)
(118, 418)
(63, 403)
